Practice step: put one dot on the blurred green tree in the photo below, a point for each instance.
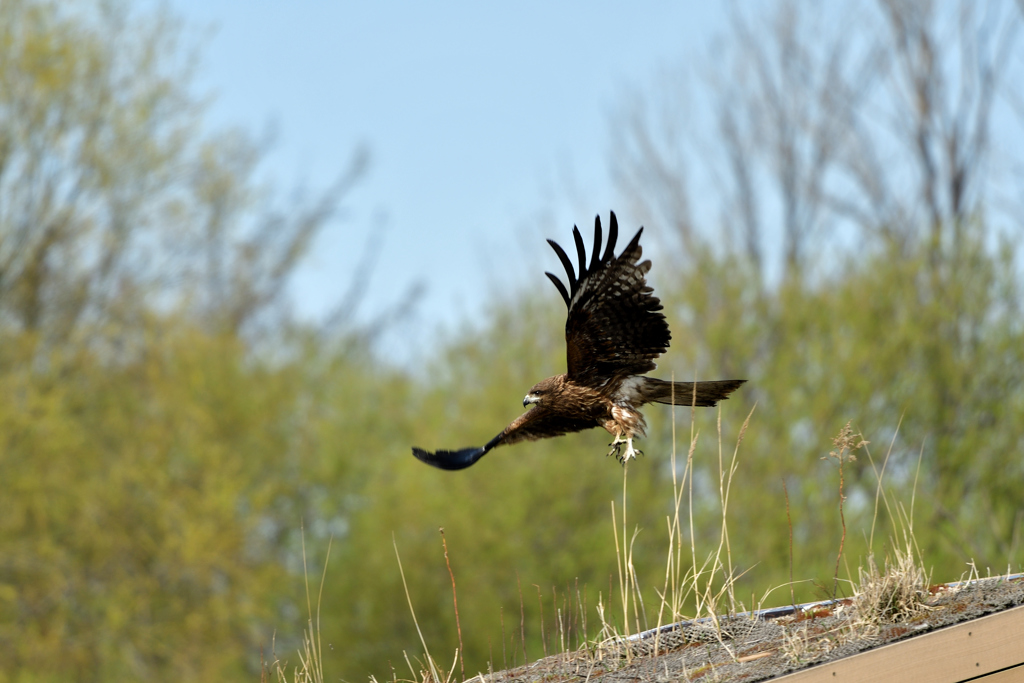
(114, 199)
(166, 431)
(155, 459)
(864, 263)
(857, 268)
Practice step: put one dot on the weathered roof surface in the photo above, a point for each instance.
(819, 641)
(988, 649)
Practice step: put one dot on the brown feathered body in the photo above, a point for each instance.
(614, 405)
(614, 330)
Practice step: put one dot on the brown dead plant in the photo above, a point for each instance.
(846, 443)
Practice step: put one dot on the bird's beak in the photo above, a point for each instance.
(530, 399)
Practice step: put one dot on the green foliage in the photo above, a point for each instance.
(156, 467)
(113, 199)
(127, 553)
(154, 504)
(152, 507)
(160, 461)
(886, 341)
(535, 517)
(889, 342)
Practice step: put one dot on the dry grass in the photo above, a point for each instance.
(899, 592)
(896, 591)
(310, 667)
(800, 645)
(895, 594)
(709, 584)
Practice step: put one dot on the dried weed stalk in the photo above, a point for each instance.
(846, 442)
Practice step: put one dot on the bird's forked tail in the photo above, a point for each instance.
(699, 394)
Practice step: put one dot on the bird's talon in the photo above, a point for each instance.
(616, 446)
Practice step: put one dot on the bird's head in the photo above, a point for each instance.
(541, 391)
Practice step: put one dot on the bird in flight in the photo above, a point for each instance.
(613, 332)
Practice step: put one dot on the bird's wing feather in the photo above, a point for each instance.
(614, 323)
(536, 423)
(541, 423)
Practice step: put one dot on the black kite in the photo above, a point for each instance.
(613, 333)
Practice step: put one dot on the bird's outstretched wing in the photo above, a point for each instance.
(614, 322)
(535, 423)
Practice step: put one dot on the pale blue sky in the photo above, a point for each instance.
(487, 125)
